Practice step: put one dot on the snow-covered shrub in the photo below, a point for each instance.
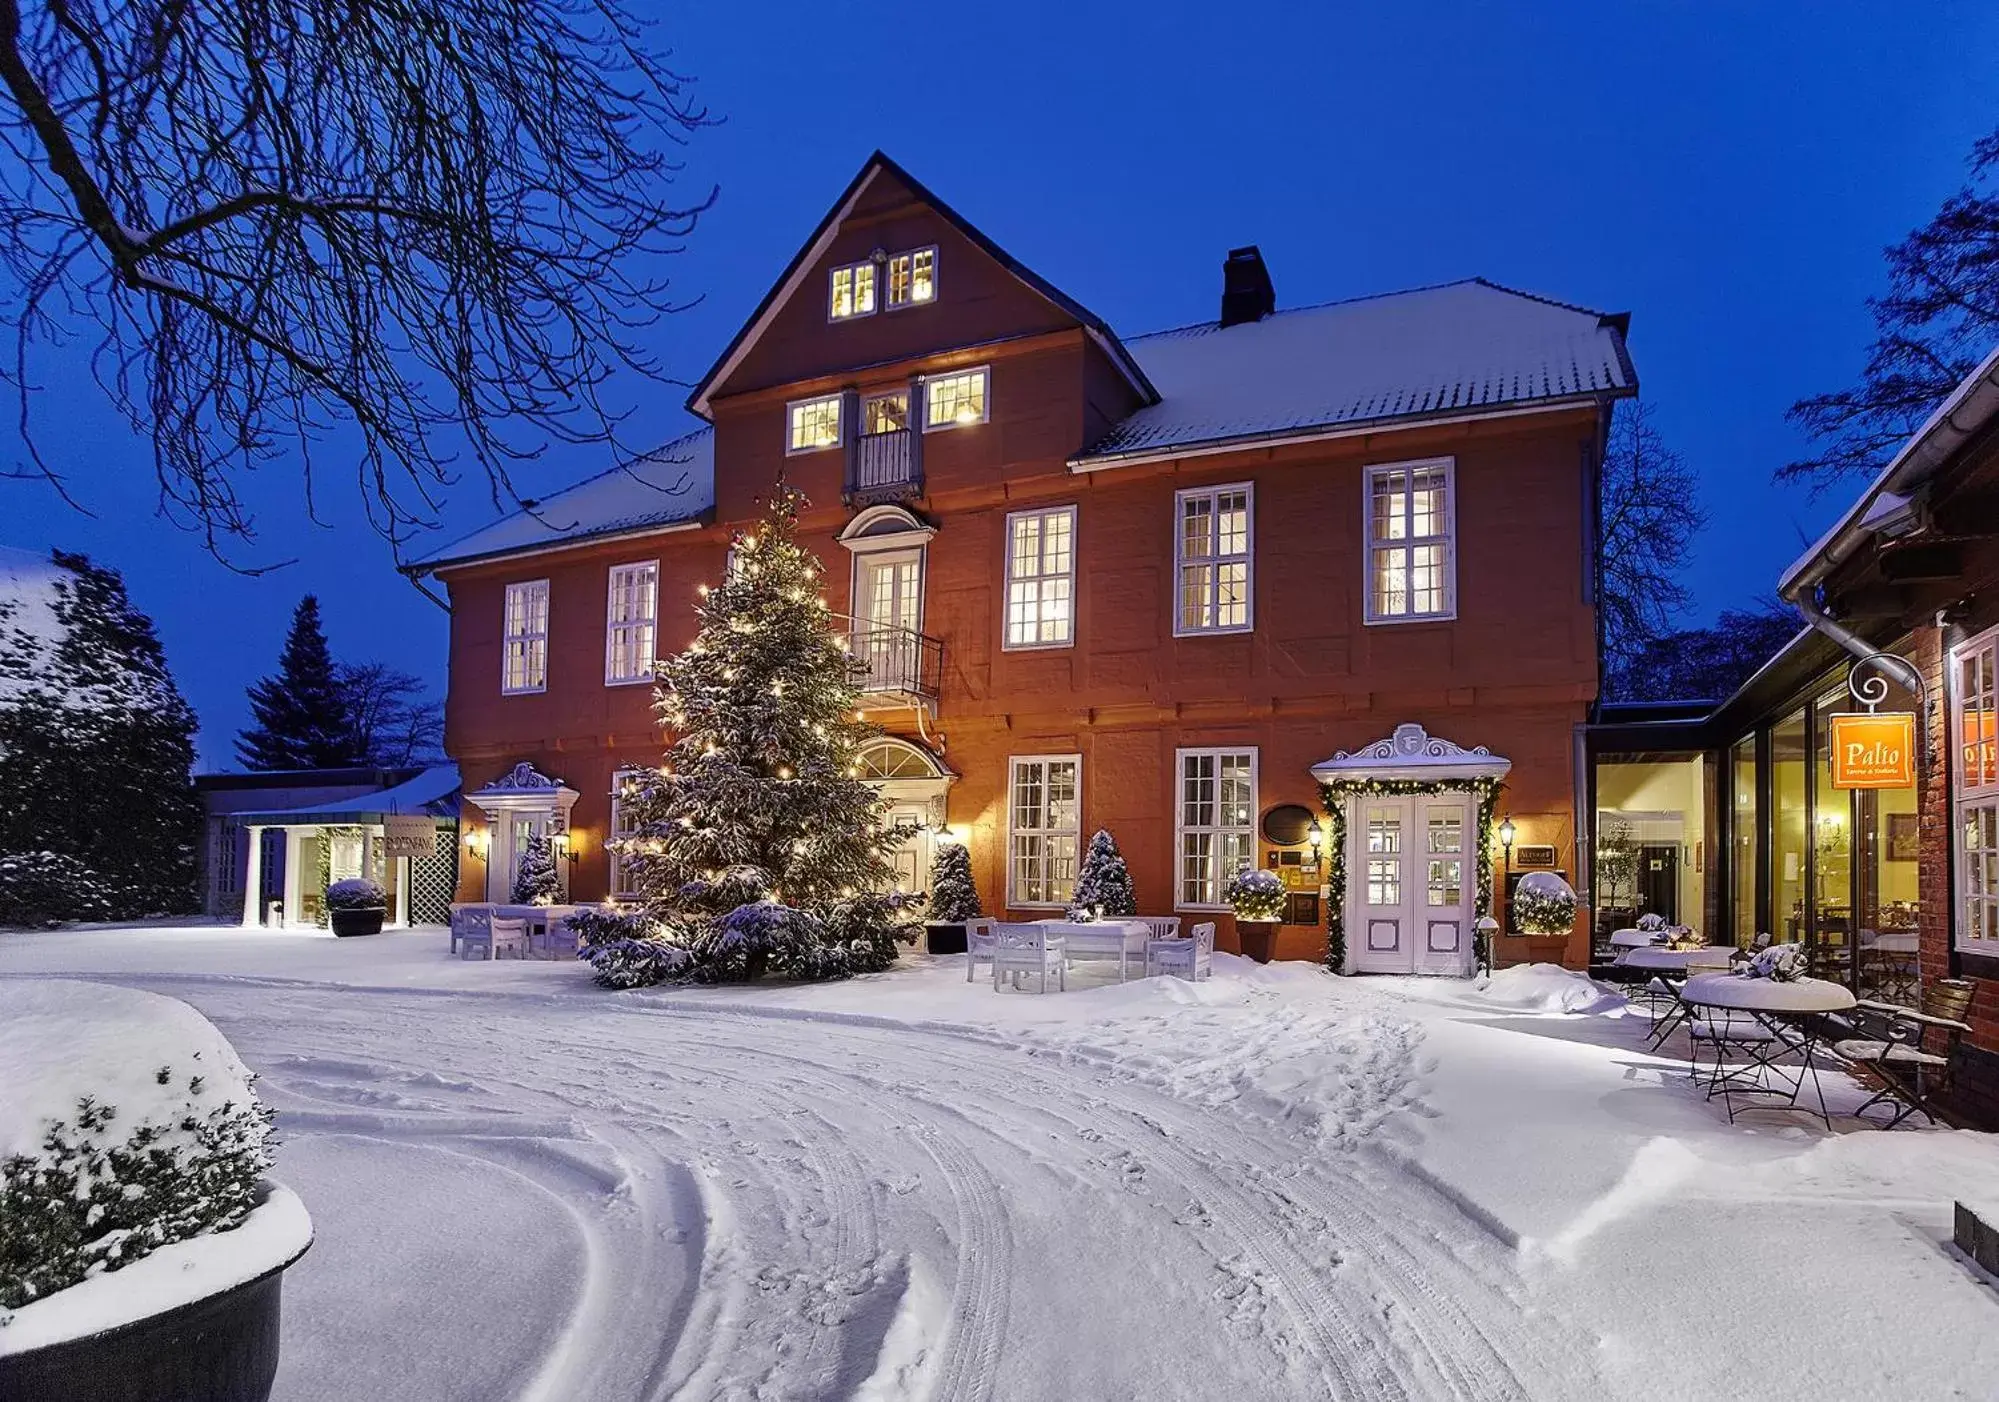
(596, 926)
(636, 963)
(1103, 885)
(356, 893)
(44, 889)
(1255, 894)
(954, 896)
(859, 935)
(1544, 904)
(126, 1123)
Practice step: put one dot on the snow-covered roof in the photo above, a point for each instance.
(670, 486)
(1458, 348)
(432, 793)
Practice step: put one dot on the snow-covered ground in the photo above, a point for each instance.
(1276, 1184)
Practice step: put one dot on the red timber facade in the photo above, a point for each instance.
(1140, 587)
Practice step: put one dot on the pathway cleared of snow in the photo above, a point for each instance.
(1274, 1185)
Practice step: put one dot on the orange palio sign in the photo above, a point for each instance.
(1874, 751)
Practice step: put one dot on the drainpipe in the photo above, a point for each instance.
(1897, 669)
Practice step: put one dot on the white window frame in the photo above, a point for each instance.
(874, 288)
(888, 279)
(1975, 873)
(229, 863)
(982, 373)
(1448, 540)
(615, 879)
(1181, 564)
(647, 625)
(1182, 830)
(791, 447)
(535, 641)
(1040, 580)
(1015, 764)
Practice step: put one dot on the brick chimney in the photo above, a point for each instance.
(1246, 291)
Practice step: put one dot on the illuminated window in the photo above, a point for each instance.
(1446, 884)
(1384, 859)
(525, 648)
(1212, 560)
(631, 621)
(1411, 563)
(815, 424)
(1215, 823)
(1041, 578)
(885, 413)
(912, 278)
(1974, 705)
(853, 291)
(1044, 829)
(955, 399)
(624, 822)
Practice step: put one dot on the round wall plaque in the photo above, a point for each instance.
(1287, 823)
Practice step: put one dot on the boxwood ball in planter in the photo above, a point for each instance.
(144, 1250)
(356, 906)
(1257, 898)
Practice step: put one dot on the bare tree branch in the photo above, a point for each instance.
(437, 225)
(1650, 515)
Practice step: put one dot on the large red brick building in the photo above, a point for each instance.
(1139, 584)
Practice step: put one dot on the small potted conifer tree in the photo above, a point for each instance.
(954, 898)
(1103, 886)
(535, 881)
(356, 906)
(1257, 898)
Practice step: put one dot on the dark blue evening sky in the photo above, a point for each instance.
(1728, 174)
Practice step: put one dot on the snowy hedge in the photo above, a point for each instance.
(44, 889)
(127, 1123)
(356, 893)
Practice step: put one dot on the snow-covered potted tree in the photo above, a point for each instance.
(1257, 898)
(1544, 909)
(141, 1246)
(1103, 885)
(356, 906)
(535, 881)
(954, 898)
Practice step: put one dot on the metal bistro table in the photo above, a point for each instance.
(1659, 961)
(1790, 1010)
(1104, 939)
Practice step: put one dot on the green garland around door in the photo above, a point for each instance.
(1332, 798)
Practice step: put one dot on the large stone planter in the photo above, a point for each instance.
(222, 1347)
(357, 920)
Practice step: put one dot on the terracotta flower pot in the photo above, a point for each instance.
(1258, 939)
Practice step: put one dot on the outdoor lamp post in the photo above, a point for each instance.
(1507, 832)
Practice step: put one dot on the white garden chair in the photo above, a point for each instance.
(978, 944)
(1191, 958)
(1160, 927)
(509, 935)
(1029, 949)
(472, 927)
(555, 939)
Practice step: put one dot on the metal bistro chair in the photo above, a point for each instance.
(1029, 949)
(1191, 958)
(979, 941)
(1889, 1041)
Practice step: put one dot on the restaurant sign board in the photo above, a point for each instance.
(1873, 750)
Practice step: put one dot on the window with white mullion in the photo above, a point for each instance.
(851, 292)
(524, 647)
(1044, 829)
(1974, 705)
(1213, 559)
(1215, 822)
(1041, 578)
(624, 790)
(631, 623)
(1411, 557)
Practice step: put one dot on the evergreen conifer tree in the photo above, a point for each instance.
(755, 843)
(535, 881)
(96, 743)
(954, 897)
(302, 718)
(1104, 884)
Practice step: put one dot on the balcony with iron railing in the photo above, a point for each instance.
(894, 666)
(886, 467)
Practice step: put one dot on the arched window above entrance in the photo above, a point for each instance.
(896, 759)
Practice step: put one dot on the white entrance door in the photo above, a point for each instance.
(890, 594)
(912, 859)
(1410, 887)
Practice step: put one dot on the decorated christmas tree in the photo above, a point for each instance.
(1103, 886)
(535, 881)
(756, 847)
(953, 895)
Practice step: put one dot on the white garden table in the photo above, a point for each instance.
(1103, 939)
(1790, 1010)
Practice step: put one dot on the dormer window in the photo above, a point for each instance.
(853, 292)
(912, 278)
